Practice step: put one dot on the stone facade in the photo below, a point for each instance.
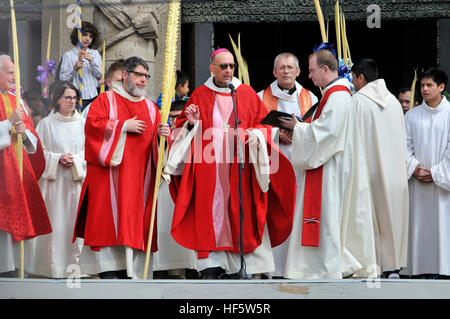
(276, 11)
(26, 10)
(133, 28)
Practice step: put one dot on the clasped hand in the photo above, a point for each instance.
(16, 116)
(138, 126)
(287, 132)
(84, 55)
(66, 160)
(16, 119)
(423, 174)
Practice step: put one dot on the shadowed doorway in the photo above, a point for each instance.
(398, 47)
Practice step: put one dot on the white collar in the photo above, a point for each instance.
(341, 81)
(276, 91)
(210, 85)
(444, 103)
(75, 117)
(118, 88)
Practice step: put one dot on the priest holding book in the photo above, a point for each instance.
(285, 94)
(332, 236)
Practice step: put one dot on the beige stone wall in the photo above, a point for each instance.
(63, 17)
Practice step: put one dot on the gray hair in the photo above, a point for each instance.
(131, 63)
(285, 55)
(4, 56)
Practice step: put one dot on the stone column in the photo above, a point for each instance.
(28, 34)
(202, 34)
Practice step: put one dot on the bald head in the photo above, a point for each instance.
(3, 57)
(6, 73)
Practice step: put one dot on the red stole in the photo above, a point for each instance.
(271, 101)
(312, 203)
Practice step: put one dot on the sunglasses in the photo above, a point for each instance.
(224, 66)
(139, 74)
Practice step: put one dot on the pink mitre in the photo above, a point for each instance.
(217, 52)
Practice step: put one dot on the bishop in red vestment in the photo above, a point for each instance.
(204, 182)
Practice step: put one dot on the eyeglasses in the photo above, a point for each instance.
(68, 98)
(139, 74)
(224, 66)
(286, 67)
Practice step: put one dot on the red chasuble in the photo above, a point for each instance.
(312, 203)
(22, 209)
(116, 201)
(193, 192)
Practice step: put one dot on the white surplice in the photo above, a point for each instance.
(170, 254)
(346, 242)
(50, 255)
(287, 103)
(428, 142)
(382, 126)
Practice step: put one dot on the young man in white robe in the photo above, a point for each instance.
(382, 126)
(332, 237)
(285, 94)
(428, 144)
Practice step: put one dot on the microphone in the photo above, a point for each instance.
(241, 161)
(231, 86)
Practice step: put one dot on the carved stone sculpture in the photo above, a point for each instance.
(128, 19)
(129, 28)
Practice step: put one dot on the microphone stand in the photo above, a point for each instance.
(240, 156)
